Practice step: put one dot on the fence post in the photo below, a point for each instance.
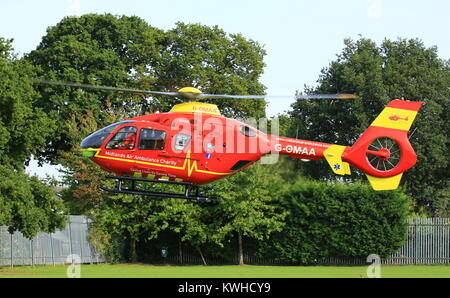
(416, 240)
(32, 254)
(12, 260)
(51, 249)
(70, 240)
(81, 240)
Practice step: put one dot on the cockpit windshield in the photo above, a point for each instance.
(96, 139)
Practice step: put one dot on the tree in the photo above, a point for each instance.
(125, 51)
(82, 177)
(138, 219)
(248, 206)
(27, 205)
(184, 218)
(377, 74)
(215, 62)
(93, 49)
(23, 127)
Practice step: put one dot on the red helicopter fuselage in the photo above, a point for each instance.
(193, 143)
(197, 147)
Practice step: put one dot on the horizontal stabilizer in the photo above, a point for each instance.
(333, 155)
(389, 183)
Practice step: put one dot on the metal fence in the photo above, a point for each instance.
(427, 243)
(49, 249)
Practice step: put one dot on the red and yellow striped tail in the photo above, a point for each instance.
(398, 114)
(392, 124)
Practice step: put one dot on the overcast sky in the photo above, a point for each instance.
(300, 37)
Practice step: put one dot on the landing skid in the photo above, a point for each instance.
(191, 191)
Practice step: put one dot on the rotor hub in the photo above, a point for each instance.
(189, 92)
(384, 153)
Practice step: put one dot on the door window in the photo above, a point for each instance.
(152, 139)
(124, 139)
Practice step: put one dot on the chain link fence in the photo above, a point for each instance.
(49, 249)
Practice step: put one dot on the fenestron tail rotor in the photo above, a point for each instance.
(192, 93)
(384, 154)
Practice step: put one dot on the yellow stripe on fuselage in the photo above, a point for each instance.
(190, 165)
(395, 118)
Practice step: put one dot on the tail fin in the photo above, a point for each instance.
(384, 152)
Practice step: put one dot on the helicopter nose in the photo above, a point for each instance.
(90, 145)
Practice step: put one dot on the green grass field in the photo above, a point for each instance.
(247, 271)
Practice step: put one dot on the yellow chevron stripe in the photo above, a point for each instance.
(395, 118)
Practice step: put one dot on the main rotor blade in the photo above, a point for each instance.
(312, 96)
(77, 85)
(195, 95)
(327, 96)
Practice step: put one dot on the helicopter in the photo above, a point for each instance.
(193, 145)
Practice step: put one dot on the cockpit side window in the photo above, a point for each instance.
(124, 139)
(152, 139)
(96, 139)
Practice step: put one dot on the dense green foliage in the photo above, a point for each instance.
(127, 52)
(23, 126)
(215, 62)
(93, 49)
(81, 176)
(26, 204)
(395, 69)
(336, 220)
(139, 219)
